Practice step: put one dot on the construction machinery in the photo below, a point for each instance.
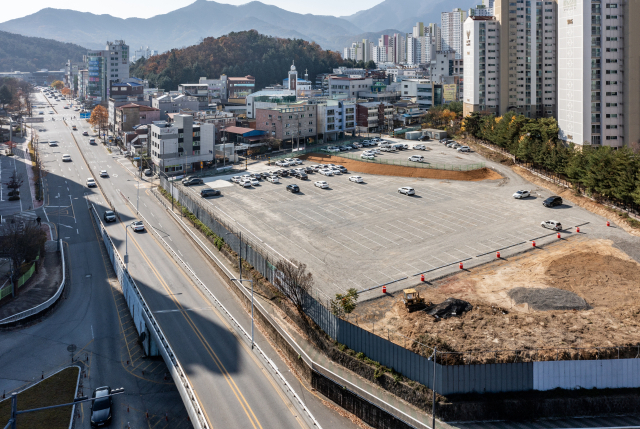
(412, 300)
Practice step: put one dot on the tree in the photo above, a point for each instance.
(57, 84)
(21, 242)
(14, 183)
(293, 280)
(344, 304)
(5, 95)
(371, 65)
(66, 92)
(99, 118)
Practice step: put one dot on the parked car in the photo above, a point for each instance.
(204, 193)
(189, 181)
(326, 172)
(464, 149)
(342, 168)
(103, 173)
(101, 407)
(273, 179)
(137, 225)
(420, 147)
(109, 216)
(66, 158)
(147, 172)
(424, 138)
(235, 179)
(293, 188)
(308, 169)
(336, 171)
(283, 173)
(521, 194)
(416, 158)
(302, 175)
(356, 145)
(356, 179)
(367, 156)
(254, 182)
(282, 163)
(552, 201)
(407, 190)
(245, 183)
(552, 224)
(321, 184)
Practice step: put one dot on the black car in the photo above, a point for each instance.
(552, 201)
(192, 181)
(283, 173)
(302, 176)
(209, 193)
(308, 169)
(293, 188)
(101, 407)
(424, 138)
(109, 216)
(294, 173)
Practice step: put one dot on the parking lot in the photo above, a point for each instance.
(363, 235)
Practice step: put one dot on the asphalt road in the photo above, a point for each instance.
(234, 387)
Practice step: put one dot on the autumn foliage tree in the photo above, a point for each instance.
(99, 118)
(57, 84)
(66, 92)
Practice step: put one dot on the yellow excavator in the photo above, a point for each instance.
(412, 300)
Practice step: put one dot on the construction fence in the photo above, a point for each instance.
(449, 379)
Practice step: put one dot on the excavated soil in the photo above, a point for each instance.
(578, 294)
(400, 171)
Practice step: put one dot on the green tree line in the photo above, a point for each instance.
(601, 171)
(266, 58)
(29, 54)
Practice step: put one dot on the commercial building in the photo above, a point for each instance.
(288, 121)
(336, 118)
(482, 71)
(170, 104)
(451, 25)
(181, 147)
(105, 67)
(374, 117)
(349, 86)
(268, 98)
(130, 115)
(239, 87)
(599, 72)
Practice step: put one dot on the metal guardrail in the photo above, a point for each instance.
(435, 166)
(45, 305)
(177, 372)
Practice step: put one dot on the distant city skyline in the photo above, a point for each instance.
(148, 8)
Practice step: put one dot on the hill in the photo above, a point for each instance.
(405, 13)
(238, 54)
(182, 27)
(28, 54)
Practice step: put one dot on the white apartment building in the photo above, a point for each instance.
(420, 89)
(116, 63)
(412, 57)
(143, 53)
(598, 83)
(452, 23)
(336, 118)
(349, 86)
(480, 10)
(482, 65)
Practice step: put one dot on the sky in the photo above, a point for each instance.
(149, 8)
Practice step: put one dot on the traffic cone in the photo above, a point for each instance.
(558, 235)
(578, 229)
(421, 277)
(608, 224)
(533, 244)
(384, 289)
(461, 266)
(498, 255)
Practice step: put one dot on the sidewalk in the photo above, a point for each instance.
(320, 358)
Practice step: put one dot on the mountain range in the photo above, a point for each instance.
(189, 25)
(29, 54)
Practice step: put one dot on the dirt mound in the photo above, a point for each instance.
(450, 307)
(401, 171)
(548, 298)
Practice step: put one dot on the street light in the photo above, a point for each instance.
(247, 280)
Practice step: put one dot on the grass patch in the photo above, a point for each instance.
(57, 389)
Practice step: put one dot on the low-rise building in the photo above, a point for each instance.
(374, 116)
(349, 86)
(131, 115)
(288, 121)
(170, 104)
(336, 118)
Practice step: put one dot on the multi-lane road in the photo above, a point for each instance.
(235, 388)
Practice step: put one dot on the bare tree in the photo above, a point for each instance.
(21, 242)
(14, 183)
(293, 280)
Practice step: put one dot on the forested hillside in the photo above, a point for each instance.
(237, 54)
(28, 54)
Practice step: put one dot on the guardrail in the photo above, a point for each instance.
(434, 166)
(45, 305)
(177, 372)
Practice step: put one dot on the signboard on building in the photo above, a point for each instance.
(450, 92)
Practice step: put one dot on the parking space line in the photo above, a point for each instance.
(397, 227)
(381, 236)
(359, 244)
(346, 247)
(367, 238)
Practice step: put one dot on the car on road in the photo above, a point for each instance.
(293, 188)
(321, 184)
(367, 156)
(73, 127)
(407, 190)
(464, 149)
(85, 133)
(91, 182)
(552, 201)
(273, 179)
(109, 216)
(101, 407)
(420, 147)
(103, 173)
(521, 194)
(416, 158)
(40, 113)
(356, 179)
(147, 172)
(204, 193)
(137, 225)
(236, 179)
(552, 224)
(53, 143)
(92, 141)
(66, 158)
(51, 112)
(192, 181)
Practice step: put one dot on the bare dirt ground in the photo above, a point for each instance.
(598, 283)
(400, 171)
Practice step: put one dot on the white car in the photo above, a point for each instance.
(137, 225)
(333, 149)
(103, 173)
(326, 172)
(407, 190)
(321, 184)
(296, 161)
(356, 179)
(420, 147)
(356, 145)
(53, 143)
(552, 224)
(245, 183)
(368, 156)
(273, 179)
(91, 182)
(51, 112)
(66, 158)
(375, 151)
(282, 163)
(254, 182)
(521, 194)
(416, 158)
(464, 149)
(336, 170)
(236, 179)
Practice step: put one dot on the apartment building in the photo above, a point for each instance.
(336, 118)
(599, 72)
(482, 72)
(288, 121)
(527, 56)
(116, 63)
(130, 115)
(451, 25)
(349, 86)
(104, 68)
(168, 104)
(181, 147)
(374, 116)
(419, 89)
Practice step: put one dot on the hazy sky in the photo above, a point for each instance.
(148, 8)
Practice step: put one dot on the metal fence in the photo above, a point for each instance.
(315, 149)
(434, 166)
